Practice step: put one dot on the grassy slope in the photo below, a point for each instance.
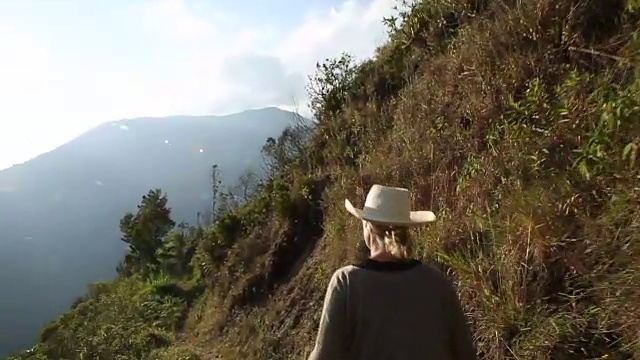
(510, 119)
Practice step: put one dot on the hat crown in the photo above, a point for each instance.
(388, 202)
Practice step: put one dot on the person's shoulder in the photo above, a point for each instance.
(431, 269)
(344, 271)
(343, 274)
(339, 276)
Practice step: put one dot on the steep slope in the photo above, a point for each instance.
(60, 211)
(515, 121)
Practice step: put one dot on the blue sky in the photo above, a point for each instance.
(69, 65)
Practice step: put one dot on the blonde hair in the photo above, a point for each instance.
(395, 239)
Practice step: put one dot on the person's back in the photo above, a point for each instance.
(389, 308)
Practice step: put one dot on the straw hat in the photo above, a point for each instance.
(389, 206)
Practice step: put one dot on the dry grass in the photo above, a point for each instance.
(508, 118)
(485, 130)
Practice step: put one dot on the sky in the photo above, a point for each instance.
(67, 66)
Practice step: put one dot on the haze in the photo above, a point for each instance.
(69, 65)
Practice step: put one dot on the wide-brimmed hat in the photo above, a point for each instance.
(389, 206)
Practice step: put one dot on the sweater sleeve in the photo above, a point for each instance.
(462, 346)
(330, 342)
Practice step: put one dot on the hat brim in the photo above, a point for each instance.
(415, 217)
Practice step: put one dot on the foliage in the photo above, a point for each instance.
(331, 85)
(144, 231)
(288, 150)
(515, 122)
(129, 319)
(177, 249)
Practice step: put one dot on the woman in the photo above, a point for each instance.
(391, 307)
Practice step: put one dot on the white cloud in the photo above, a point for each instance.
(181, 58)
(27, 86)
(355, 27)
(172, 18)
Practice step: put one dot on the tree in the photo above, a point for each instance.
(144, 231)
(216, 184)
(172, 254)
(249, 183)
(209, 215)
(290, 146)
(329, 86)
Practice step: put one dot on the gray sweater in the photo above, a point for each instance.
(392, 311)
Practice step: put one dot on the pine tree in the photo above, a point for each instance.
(144, 232)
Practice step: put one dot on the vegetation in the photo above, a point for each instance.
(515, 121)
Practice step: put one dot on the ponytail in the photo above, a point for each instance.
(395, 239)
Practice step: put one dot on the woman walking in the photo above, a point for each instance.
(391, 306)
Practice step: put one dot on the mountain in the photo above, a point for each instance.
(59, 212)
(516, 122)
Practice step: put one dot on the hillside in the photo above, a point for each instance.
(59, 212)
(515, 121)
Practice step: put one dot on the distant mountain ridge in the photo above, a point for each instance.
(59, 212)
